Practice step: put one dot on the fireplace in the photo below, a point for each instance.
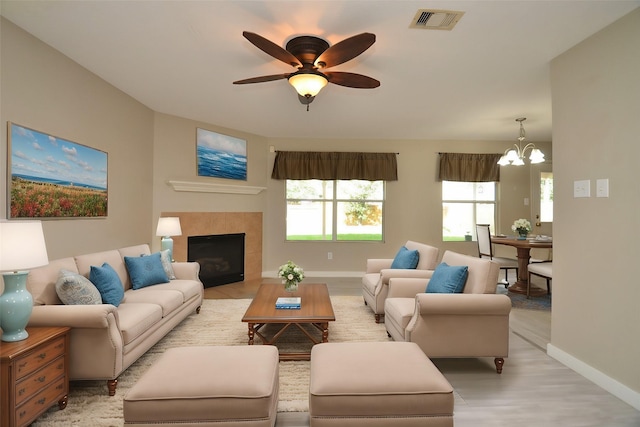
(221, 257)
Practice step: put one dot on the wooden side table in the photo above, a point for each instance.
(34, 375)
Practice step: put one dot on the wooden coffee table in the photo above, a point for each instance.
(315, 310)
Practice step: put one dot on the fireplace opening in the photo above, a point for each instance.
(221, 257)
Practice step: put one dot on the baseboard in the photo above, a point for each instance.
(611, 385)
(274, 274)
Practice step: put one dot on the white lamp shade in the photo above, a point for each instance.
(307, 84)
(512, 155)
(22, 245)
(169, 226)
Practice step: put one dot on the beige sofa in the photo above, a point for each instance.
(375, 282)
(474, 323)
(106, 340)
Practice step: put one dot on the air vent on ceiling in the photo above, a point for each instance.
(432, 19)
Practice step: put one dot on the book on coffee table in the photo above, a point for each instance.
(288, 303)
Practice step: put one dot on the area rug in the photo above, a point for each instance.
(219, 323)
(521, 301)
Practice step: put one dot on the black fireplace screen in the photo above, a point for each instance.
(221, 257)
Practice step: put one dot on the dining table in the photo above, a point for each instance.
(523, 249)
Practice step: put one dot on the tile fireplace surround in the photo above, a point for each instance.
(206, 223)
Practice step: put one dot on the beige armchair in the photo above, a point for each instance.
(375, 282)
(474, 323)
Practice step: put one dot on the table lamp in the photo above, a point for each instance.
(167, 227)
(22, 246)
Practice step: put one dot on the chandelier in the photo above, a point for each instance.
(515, 156)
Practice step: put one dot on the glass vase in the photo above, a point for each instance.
(290, 286)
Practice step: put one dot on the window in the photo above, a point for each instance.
(465, 204)
(546, 196)
(334, 210)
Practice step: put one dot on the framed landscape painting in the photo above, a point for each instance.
(50, 177)
(221, 156)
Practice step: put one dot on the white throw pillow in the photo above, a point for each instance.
(75, 289)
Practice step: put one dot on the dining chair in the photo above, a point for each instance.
(540, 269)
(485, 250)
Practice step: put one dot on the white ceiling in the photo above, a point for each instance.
(181, 57)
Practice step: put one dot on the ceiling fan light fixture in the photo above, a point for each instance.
(308, 84)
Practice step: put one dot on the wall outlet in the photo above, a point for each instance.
(329, 255)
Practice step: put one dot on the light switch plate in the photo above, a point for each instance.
(582, 188)
(602, 188)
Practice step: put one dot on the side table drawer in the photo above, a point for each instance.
(40, 357)
(27, 386)
(39, 403)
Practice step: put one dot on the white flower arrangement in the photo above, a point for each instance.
(521, 226)
(290, 272)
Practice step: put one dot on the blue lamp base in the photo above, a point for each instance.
(167, 243)
(16, 305)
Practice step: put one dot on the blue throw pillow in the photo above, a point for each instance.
(145, 270)
(108, 283)
(448, 279)
(406, 258)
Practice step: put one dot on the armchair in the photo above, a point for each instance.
(474, 323)
(375, 282)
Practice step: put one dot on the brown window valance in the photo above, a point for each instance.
(469, 167)
(335, 165)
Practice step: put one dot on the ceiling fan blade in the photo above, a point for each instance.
(262, 79)
(345, 50)
(357, 81)
(272, 49)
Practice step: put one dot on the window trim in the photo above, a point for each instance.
(335, 201)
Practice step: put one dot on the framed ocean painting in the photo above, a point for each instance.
(221, 156)
(51, 177)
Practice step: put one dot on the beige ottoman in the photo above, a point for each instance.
(377, 384)
(207, 386)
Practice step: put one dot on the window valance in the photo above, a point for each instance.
(469, 167)
(335, 165)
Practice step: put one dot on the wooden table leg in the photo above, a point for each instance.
(325, 331)
(520, 286)
(251, 332)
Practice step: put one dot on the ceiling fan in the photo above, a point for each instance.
(311, 55)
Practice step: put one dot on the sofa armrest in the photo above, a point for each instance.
(463, 304)
(391, 273)
(186, 270)
(97, 316)
(406, 287)
(375, 265)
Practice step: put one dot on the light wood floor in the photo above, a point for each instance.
(533, 390)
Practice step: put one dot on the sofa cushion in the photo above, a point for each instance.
(41, 281)
(188, 288)
(145, 270)
(448, 279)
(108, 283)
(406, 258)
(112, 257)
(168, 299)
(398, 313)
(166, 264)
(134, 319)
(75, 289)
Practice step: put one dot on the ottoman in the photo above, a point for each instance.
(207, 386)
(377, 384)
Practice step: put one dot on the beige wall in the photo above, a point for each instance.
(42, 89)
(596, 128)
(413, 208)
(174, 159)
